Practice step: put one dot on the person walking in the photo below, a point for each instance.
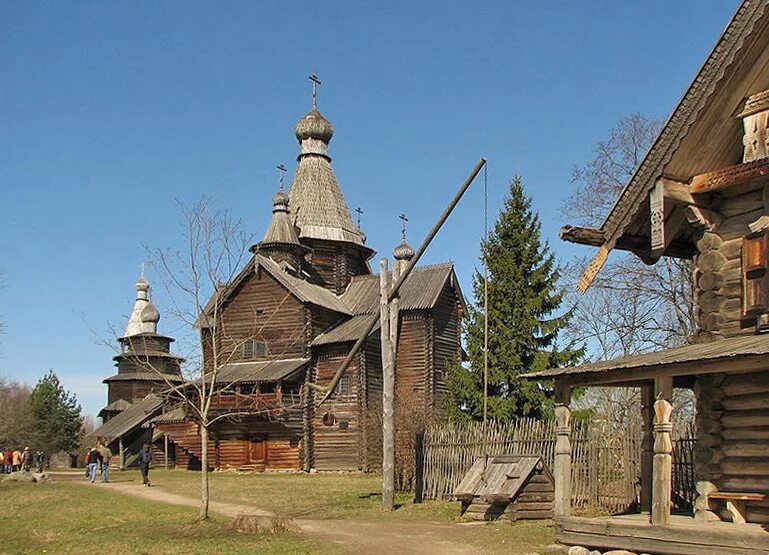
(8, 461)
(94, 461)
(145, 458)
(26, 459)
(106, 455)
(16, 460)
(40, 460)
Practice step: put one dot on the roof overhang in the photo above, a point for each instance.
(732, 356)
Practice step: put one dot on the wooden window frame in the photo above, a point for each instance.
(755, 274)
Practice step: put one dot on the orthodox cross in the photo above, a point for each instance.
(315, 82)
(142, 266)
(404, 220)
(359, 210)
(282, 172)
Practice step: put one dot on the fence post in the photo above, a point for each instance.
(562, 466)
(419, 460)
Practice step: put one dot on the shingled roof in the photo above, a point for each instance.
(420, 291)
(135, 415)
(347, 331)
(736, 349)
(261, 370)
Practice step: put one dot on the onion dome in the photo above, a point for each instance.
(144, 316)
(403, 251)
(314, 126)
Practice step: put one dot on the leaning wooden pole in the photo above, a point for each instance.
(388, 391)
(394, 291)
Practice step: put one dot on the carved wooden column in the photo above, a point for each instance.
(647, 445)
(562, 465)
(663, 453)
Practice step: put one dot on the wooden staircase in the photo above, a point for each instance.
(185, 437)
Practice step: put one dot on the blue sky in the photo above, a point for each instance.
(110, 112)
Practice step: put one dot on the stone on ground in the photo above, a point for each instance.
(20, 476)
(257, 524)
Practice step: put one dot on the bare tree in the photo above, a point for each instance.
(197, 279)
(631, 307)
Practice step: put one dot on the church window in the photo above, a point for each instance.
(254, 349)
(343, 388)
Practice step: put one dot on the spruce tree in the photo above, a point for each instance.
(57, 415)
(524, 299)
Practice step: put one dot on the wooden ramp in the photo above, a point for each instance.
(513, 487)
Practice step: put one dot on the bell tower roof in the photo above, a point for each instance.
(144, 317)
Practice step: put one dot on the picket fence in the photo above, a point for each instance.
(605, 466)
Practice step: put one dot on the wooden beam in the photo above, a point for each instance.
(388, 391)
(740, 174)
(663, 455)
(562, 463)
(582, 235)
(647, 445)
(676, 191)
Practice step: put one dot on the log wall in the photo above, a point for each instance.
(337, 437)
(718, 269)
(733, 435)
(335, 263)
(264, 310)
(446, 343)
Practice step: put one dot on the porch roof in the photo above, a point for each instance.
(132, 417)
(261, 371)
(735, 354)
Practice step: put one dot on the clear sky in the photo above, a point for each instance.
(111, 111)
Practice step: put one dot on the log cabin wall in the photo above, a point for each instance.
(334, 263)
(133, 390)
(732, 433)
(413, 365)
(264, 310)
(337, 426)
(279, 449)
(719, 269)
(446, 344)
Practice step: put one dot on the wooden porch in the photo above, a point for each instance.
(683, 535)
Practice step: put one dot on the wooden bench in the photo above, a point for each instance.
(736, 501)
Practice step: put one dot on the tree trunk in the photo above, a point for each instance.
(203, 472)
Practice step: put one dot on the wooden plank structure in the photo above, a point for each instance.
(700, 193)
(514, 487)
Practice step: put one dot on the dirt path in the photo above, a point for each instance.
(354, 536)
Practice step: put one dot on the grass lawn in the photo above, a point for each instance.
(69, 518)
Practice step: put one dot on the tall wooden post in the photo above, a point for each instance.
(388, 391)
(663, 452)
(647, 445)
(562, 466)
(122, 453)
(165, 450)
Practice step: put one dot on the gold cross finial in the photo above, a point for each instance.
(282, 171)
(315, 82)
(404, 220)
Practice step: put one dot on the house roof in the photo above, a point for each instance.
(135, 415)
(420, 291)
(261, 371)
(627, 368)
(144, 376)
(176, 414)
(115, 406)
(701, 134)
(350, 330)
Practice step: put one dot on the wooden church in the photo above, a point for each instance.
(701, 193)
(285, 324)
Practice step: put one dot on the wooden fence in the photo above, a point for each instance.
(605, 466)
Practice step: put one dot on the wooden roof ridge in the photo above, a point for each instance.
(636, 191)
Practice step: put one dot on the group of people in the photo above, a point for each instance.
(97, 459)
(15, 460)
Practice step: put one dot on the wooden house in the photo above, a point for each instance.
(286, 322)
(701, 193)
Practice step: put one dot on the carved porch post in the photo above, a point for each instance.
(562, 466)
(647, 445)
(663, 453)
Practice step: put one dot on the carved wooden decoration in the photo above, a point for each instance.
(657, 219)
(754, 115)
(562, 464)
(663, 463)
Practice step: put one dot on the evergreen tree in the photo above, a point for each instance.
(57, 415)
(523, 328)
